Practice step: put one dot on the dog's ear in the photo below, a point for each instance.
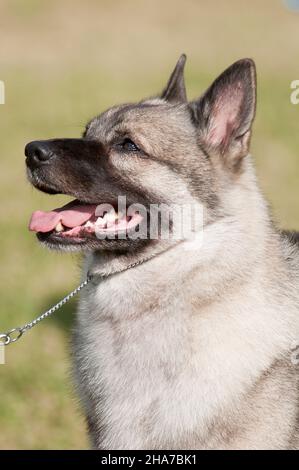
(175, 91)
(224, 113)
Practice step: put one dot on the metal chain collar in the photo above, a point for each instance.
(15, 334)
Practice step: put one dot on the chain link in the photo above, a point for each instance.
(55, 307)
(15, 334)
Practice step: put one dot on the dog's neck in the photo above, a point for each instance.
(105, 265)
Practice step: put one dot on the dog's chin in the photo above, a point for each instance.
(54, 241)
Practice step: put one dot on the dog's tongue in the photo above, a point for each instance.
(71, 215)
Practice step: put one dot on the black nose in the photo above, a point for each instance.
(38, 152)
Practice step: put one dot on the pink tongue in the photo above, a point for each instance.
(71, 215)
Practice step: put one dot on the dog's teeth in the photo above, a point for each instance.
(88, 224)
(110, 216)
(59, 227)
(100, 222)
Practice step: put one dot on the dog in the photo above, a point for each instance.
(179, 343)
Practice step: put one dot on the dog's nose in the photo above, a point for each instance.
(38, 152)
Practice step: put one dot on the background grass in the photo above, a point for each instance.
(62, 63)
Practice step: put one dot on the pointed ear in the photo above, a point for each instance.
(225, 112)
(175, 91)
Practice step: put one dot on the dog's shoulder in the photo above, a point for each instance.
(290, 248)
(292, 236)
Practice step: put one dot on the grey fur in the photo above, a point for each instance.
(191, 350)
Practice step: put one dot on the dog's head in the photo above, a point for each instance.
(163, 150)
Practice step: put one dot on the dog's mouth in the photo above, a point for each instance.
(77, 222)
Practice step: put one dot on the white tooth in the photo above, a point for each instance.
(111, 223)
(59, 227)
(88, 224)
(110, 217)
(100, 222)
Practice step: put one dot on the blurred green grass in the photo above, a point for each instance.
(65, 62)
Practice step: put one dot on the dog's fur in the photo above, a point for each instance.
(191, 349)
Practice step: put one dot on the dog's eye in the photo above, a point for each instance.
(128, 146)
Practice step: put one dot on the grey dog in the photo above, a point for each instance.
(179, 344)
